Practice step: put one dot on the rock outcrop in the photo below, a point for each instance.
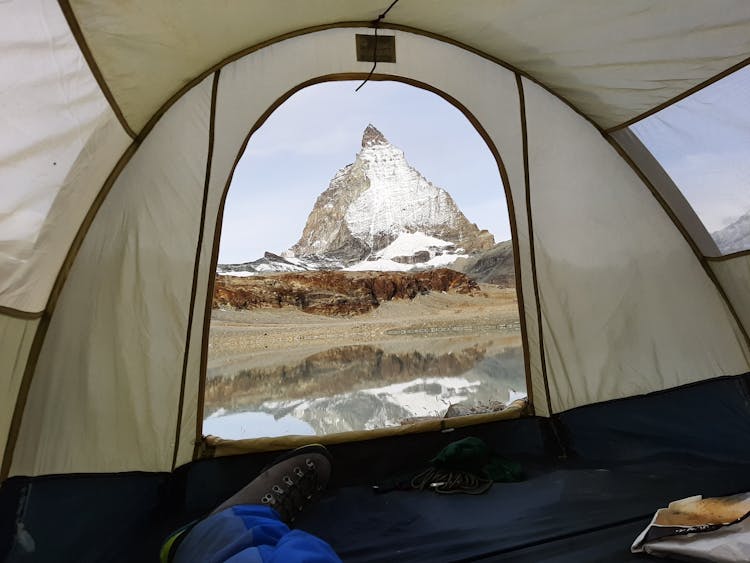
(373, 200)
(334, 293)
(494, 266)
(734, 237)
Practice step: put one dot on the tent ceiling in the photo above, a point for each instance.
(612, 60)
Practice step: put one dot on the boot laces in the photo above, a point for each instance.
(291, 496)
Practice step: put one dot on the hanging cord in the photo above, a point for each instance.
(376, 23)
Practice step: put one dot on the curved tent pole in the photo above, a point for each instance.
(532, 251)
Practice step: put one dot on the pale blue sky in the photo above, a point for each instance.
(292, 158)
(703, 142)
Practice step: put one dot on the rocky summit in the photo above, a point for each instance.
(375, 200)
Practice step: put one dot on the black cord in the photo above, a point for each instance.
(376, 22)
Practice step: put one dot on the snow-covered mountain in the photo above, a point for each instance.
(379, 200)
(734, 237)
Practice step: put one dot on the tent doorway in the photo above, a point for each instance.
(378, 296)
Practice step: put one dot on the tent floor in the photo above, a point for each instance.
(625, 459)
(570, 513)
(563, 512)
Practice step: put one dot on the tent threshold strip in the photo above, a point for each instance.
(213, 446)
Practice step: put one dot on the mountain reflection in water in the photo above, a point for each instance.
(359, 388)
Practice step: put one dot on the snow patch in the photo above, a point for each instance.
(442, 260)
(398, 199)
(420, 403)
(237, 426)
(397, 401)
(408, 244)
(380, 265)
(516, 395)
(237, 274)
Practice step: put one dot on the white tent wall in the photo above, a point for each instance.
(667, 190)
(59, 141)
(608, 58)
(626, 305)
(16, 337)
(190, 423)
(116, 360)
(106, 389)
(733, 272)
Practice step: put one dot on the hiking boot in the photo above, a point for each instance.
(289, 484)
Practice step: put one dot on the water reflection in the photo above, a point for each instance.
(363, 387)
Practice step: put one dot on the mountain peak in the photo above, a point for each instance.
(375, 200)
(372, 136)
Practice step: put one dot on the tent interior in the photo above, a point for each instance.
(122, 125)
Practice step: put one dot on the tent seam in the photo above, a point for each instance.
(75, 29)
(678, 98)
(196, 265)
(45, 319)
(730, 256)
(19, 314)
(532, 251)
(656, 393)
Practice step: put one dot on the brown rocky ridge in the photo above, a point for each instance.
(420, 206)
(334, 293)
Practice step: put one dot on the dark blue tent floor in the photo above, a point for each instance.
(571, 513)
(595, 477)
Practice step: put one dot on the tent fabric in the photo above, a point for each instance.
(614, 61)
(707, 419)
(105, 395)
(734, 274)
(16, 336)
(113, 240)
(59, 141)
(685, 215)
(190, 420)
(520, 189)
(604, 276)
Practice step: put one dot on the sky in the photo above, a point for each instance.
(292, 158)
(703, 142)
